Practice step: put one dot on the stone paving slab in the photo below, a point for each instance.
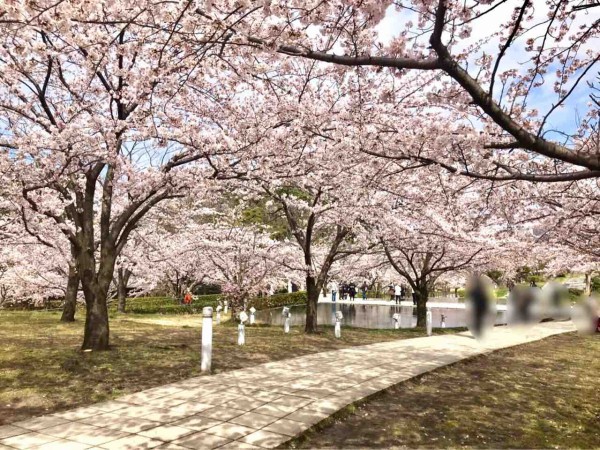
(258, 407)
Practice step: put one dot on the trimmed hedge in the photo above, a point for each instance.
(276, 300)
(167, 305)
(575, 294)
(30, 305)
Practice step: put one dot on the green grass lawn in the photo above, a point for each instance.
(539, 395)
(42, 369)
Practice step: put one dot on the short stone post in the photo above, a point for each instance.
(396, 318)
(429, 321)
(286, 315)
(252, 311)
(242, 328)
(206, 360)
(226, 306)
(338, 324)
(219, 308)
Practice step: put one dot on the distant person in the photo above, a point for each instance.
(586, 315)
(363, 289)
(397, 293)
(510, 284)
(187, 300)
(521, 303)
(480, 301)
(352, 291)
(334, 290)
(414, 298)
(391, 292)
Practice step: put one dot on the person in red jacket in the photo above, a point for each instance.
(187, 300)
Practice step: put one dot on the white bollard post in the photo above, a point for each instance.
(241, 334)
(226, 305)
(396, 318)
(242, 328)
(219, 308)
(429, 321)
(206, 359)
(252, 311)
(286, 322)
(338, 324)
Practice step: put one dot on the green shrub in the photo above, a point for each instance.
(168, 305)
(595, 284)
(575, 294)
(30, 305)
(276, 300)
(501, 292)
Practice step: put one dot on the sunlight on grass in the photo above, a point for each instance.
(42, 369)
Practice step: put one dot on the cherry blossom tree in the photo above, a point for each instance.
(243, 260)
(31, 273)
(110, 111)
(37, 257)
(92, 96)
(539, 54)
(320, 196)
(428, 232)
(187, 243)
(163, 250)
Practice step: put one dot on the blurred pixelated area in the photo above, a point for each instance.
(528, 305)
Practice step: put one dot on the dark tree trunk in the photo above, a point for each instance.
(95, 288)
(422, 295)
(312, 299)
(122, 281)
(588, 284)
(68, 314)
(178, 287)
(96, 333)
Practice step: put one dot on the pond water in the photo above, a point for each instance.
(369, 316)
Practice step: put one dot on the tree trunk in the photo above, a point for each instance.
(588, 284)
(68, 314)
(95, 288)
(312, 299)
(422, 296)
(122, 281)
(96, 332)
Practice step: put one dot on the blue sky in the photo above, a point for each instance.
(564, 118)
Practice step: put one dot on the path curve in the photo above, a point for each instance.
(257, 407)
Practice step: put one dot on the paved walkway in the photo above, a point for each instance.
(257, 407)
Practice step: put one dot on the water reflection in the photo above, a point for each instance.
(369, 316)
